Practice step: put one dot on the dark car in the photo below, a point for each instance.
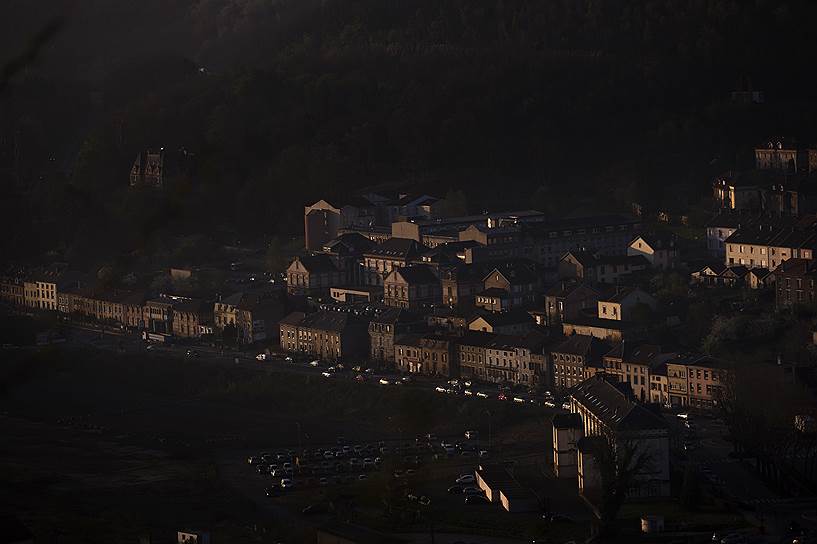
(455, 489)
(477, 499)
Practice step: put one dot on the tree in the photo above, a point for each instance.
(619, 462)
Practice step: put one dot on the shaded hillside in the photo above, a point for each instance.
(556, 103)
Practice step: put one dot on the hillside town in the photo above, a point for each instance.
(625, 329)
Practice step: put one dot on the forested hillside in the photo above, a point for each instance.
(526, 103)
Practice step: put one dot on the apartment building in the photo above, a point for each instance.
(252, 314)
(795, 282)
(427, 354)
(415, 286)
(632, 363)
(609, 412)
(385, 327)
(40, 291)
(473, 354)
(768, 241)
(12, 291)
(381, 259)
(313, 275)
(190, 317)
(575, 359)
(590, 266)
(696, 381)
(328, 335)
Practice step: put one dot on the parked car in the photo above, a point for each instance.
(287, 483)
(326, 374)
(315, 363)
(550, 404)
(465, 479)
(362, 477)
(192, 353)
(455, 489)
(566, 405)
(289, 359)
(253, 460)
(261, 357)
(384, 381)
(471, 435)
(476, 499)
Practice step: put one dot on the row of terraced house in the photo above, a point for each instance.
(67, 293)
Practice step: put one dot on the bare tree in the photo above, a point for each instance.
(619, 464)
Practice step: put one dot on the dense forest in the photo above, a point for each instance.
(569, 106)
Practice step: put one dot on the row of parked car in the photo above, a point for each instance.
(465, 485)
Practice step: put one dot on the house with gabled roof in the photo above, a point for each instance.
(509, 284)
(590, 266)
(312, 275)
(621, 303)
(576, 358)
(518, 322)
(566, 299)
(415, 286)
(659, 249)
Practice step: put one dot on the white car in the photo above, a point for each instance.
(683, 415)
(384, 381)
(286, 483)
(326, 374)
(289, 359)
(550, 404)
(440, 389)
(261, 357)
(482, 394)
(315, 363)
(465, 479)
(519, 400)
(471, 435)
(566, 405)
(468, 393)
